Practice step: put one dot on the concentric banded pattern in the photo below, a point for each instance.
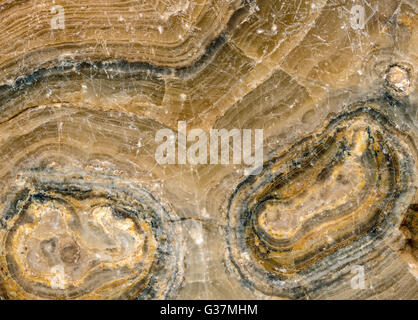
(80, 107)
(68, 237)
(333, 196)
(78, 218)
(164, 33)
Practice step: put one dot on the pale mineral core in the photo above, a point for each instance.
(88, 212)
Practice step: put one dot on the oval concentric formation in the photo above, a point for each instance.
(68, 237)
(333, 196)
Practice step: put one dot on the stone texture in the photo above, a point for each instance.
(86, 212)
